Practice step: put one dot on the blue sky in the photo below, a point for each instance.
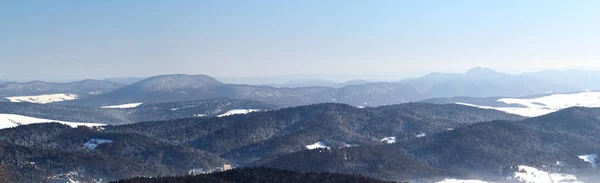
(75, 39)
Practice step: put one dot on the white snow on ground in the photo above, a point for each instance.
(43, 99)
(122, 106)
(318, 145)
(532, 175)
(547, 104)
(461, 181)
(14, 120)
(389, 140)
(92, 144)
(590, 158)
(238, 111)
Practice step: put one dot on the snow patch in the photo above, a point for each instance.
(545, 105)
(532, 175)
(318, 145)
(14, 120)
(590, 158)
(389, 140)
(350, 145)
(238, 111)
(122, 106)
(461, 181)
(43, 99)
(92, 144)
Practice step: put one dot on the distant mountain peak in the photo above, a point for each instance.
(174, 82)
(481, 70)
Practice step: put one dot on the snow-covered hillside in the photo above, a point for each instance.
(529, 174)
(13, 120)
(318, 145)
(93, 143)
(238, 111)
(546, 104)
(122, 106)
(590, 158)
(43, 99)
(389, 140)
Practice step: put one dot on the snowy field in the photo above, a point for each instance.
(547, 104)
(389, 140)
(318, 145)
(43, 99)
(122, 106)
(14, 120)
(238, 111)
(93, 143)
(533, 175)
(590, 158)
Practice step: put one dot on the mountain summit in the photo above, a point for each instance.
(482, 71)
(164, 83)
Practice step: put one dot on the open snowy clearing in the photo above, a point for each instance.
(238, 111)
(546, 104)
(43, 99)
(93, 143)
(122, 106)
(14, 120)
(388, 140)
(590, 158)
(318, 145)
(529, 174)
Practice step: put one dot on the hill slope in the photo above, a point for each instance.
(146, 112)
(247, 138)
(497, 148)
(85, 154)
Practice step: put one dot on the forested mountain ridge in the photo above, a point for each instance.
(171, 88)
(248, 137)
(83, 88)
(144, 112)
(180, 145)
(38, 152)
(405, 142)
(496, 148)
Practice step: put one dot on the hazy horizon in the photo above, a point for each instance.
(73, 40)
(282, 79)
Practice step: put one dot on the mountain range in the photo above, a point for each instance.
(80, 89)
(477, 82)
(170, 88)
(481, 126)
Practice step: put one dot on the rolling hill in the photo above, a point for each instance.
(41, 92)
(173, 88)
(145, 112)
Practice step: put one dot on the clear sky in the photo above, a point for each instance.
(76, 39)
